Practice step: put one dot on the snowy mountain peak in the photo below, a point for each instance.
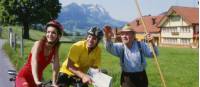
(74, 16)
(95, 9)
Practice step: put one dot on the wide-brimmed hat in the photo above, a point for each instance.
(127, 28)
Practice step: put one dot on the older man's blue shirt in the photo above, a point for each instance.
(131, 57)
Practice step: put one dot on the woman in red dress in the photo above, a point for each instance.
(43, 52)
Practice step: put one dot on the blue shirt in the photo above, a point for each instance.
(132, 58)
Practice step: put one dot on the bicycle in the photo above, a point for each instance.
(76, 83)
(13, 75)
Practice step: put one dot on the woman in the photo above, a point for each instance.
(42, 53)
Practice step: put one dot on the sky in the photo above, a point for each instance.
(125, 10)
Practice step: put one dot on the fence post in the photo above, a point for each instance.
(22, 45)
(9, 30)
(14, 40)
(10, 37)
(1, 30)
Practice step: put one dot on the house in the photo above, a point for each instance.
(180, 27)
(151, 25)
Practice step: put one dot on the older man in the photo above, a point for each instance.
(131, 53)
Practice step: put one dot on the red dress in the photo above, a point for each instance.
(25, 76)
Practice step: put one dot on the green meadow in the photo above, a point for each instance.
(179, 65)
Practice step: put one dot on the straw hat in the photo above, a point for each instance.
(127, 28)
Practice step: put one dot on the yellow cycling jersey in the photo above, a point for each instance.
(78, 54)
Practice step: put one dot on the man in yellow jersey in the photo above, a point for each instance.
(82, 55)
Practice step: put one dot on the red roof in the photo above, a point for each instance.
(189, 14)
(148, 20)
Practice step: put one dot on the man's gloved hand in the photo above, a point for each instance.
(107, 32)
(149, 38)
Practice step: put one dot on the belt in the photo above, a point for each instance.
(134, 73)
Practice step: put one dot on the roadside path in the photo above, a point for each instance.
(5, 65)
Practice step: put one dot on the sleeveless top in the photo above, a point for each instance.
(26, 72)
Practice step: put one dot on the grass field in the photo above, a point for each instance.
(179, 65)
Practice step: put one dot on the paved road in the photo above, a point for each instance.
(5, 65)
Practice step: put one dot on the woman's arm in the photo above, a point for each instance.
(55, 67)
(34, 64)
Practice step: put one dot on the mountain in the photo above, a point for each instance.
(81, 17)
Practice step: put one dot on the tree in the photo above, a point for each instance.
(27, 12)
(77, 33)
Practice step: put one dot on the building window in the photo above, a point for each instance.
(170, 40)
(163, 30)
(169, 29)
(185, 29)
(173, 29)
(175, 18)
(185, 41)
(196, 29)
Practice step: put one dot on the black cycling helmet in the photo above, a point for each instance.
(95, 31)
(56, 24)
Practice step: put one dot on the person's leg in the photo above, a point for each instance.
(143, 80)
(21, 82)
(139, 79)
(126, 81)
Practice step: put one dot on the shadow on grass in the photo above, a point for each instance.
(68, 41)
(31, 39)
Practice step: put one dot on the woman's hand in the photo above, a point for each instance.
(38, 83)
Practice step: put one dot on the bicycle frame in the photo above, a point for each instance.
(13, 74)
